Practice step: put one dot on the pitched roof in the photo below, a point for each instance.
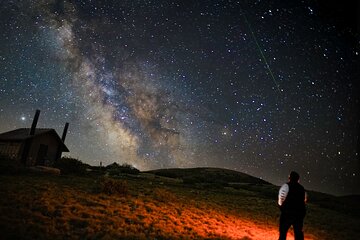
(22, 134)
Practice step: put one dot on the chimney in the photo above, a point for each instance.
(64, 132)
(34, 123)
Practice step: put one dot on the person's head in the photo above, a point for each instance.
(294, 176)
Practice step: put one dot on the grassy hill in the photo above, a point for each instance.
(208, 175)
(200, 203)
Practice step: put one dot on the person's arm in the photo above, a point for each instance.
(283, 192)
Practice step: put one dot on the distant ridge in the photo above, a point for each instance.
(218, 177)
(208, 175)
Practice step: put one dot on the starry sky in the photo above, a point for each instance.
(261, 87)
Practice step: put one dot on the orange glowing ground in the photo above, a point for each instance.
(63, 207)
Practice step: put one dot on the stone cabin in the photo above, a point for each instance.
(33, 146)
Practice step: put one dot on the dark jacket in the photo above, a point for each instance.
(295, 200)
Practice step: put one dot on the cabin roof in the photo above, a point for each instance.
(22, 134)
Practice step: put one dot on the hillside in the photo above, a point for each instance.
(208, 175)
(160, 204)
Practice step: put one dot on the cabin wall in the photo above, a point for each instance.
(11, 150)
(43, 150)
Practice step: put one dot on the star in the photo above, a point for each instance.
(261, 87)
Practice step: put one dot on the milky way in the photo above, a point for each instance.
(262, 87)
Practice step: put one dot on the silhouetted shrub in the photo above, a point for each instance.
(69, 165)
(112, 186)
(115, 169)
(127, 168)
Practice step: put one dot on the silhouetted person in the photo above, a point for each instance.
(292, 200)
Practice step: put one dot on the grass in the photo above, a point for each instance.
(148, 206)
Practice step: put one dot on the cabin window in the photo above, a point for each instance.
(10, 150)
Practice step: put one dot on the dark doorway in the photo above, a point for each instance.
(40, 160)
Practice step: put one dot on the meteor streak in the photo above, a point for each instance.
(261, 52)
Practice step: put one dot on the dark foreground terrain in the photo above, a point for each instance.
(202, 203)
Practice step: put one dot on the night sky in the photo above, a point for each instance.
(261, 87)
